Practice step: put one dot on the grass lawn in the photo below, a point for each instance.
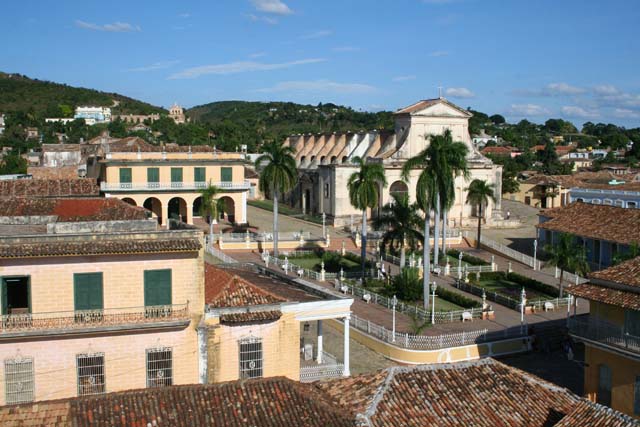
(444, 305)
(313, 263)
(512, 289)
(284, 210)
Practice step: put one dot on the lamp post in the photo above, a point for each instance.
(535, 252)
(394, 301)
(523, 301)
(324, 229)
(433, 304)
(460, 266)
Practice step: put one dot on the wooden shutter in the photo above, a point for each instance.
(176, 174)
(125, 175)
(153, 175)
(226, 174)
(87, 291)
(199, 175)
(157, 287)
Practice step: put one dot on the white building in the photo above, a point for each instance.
(93, 115)
(481, 140)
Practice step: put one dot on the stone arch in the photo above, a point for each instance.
(345, 159)
(312, 159)
(302, 160)
(322, 160)
(130, 201)
(155, 207)
(177, 209)
(632, 205)
(334, 160)
(228, 209)
(197, 204)
(399, 187)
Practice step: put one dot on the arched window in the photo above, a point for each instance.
(632, 205)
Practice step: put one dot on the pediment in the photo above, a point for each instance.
(442, 109)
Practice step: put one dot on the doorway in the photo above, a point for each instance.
(16, 295)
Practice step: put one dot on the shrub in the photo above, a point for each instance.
(407, 285)
(521, 280)
(458, 299)
(469, 259)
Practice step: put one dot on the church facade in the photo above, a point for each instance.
(325, 163)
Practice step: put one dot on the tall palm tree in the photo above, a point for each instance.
(566, 255)
(211, 206)
(402, 224)
(278, 175)
(478, 194)
(364, 193)
(426, 190)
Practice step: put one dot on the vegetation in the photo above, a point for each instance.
(479, 194)
(363, 188)
(466, 257)
(457, 298)
(278, 175)
(634, 251)
(567, 256)
(211, 206)
(511, 284)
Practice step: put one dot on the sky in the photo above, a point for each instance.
(575, 59)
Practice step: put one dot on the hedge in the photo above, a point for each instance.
(458, 299)
(521, 280)
(469, 259)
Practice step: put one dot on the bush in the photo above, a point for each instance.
(467, 258)
(521, 280)
(458, 299)
(407, 285)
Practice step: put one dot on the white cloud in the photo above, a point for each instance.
(521, 110)
(579, 112)
(459, 92)
(184, 15)
(345, 49)
(439, 53)
(623, 113)
(276, 7)
(266, 19)
(605, 90)
(155, 66)
(319, 86)
(554, 89)
(239, 67)
(403, 78)
(317, 34)
(116, 27)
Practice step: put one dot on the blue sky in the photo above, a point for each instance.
(577, 59)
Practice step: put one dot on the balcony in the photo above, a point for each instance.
(605, 333)
(172, 186)
(91, 321)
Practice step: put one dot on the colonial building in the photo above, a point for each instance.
(325, 162)
(93, 115)
(611, 334)
(95, 299)
(176, 113)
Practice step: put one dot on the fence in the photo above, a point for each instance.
(507, 251)
(288, 266)
(220, 255)
(604, 332)
(570, 277)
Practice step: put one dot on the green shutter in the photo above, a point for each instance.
(5, 300)
(125, 175)
(153, 175)
(199, 175)
(157, 287)
(226, 174)
(87, 291)
(176, 174)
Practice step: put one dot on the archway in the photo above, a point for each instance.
(228, 209)
(130, 201)
(197, 205)
(178, 209)
(344, 159)
(399, 188)
(334, 160)
(155, 206)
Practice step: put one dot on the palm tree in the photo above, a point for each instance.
(402, 223)
(211, 206)
(364, 192)
(278, 175)
(479, 194)
(426, 190)
(566, 255)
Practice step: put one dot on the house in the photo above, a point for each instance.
(602, 230)
(32, 133)
(324, 163)
(505, 151)
(95, 299)
(485, 393)
(93, 115)
(483, 138)
(611, 334)
(258, 324)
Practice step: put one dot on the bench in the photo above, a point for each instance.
(466, 315)
(344, 289)
(548, 306)
(366, 298)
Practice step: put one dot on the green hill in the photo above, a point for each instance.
(41, 98)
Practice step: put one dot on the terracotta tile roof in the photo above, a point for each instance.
(592, 414)
(49, 188)
(600, 222)
(223, 289)
(135, 144)
(606, 295)
(265, 402)
(480, 393)
(51, 413)
(625, 273)
(421, 105)
(497, 150)
(97, 247)
(251, 317)
(72, 209)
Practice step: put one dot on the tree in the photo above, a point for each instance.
(211, 206)
(634, 251)
(402, 224)
(278, 175)
(478, 194)
(363, 188)
(567, 256)
(13, 163)
(497, 119)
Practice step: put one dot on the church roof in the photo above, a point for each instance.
(421, 105)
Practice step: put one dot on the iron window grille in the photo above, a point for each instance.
(91, 377)
(159, 367)
(19, 380)
(250, 358)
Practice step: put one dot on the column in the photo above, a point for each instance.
(243, 208)
(346, 371)
(189, 218)
(304, 201)
(319, 356)
(320, 194)
(164, 209)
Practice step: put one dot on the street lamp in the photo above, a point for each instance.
(523, 301)
(394, 301)
(324, 230)
(535, 252)
(433, 304)
(460, 266)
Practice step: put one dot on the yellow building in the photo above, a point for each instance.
(95, 299)
(167, 180)
(258, 325)
(611, 334)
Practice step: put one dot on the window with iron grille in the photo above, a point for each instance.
(91, 378)
(250, 358)
(19, 382)
(159, 367)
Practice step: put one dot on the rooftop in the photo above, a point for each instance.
(600, 222)
(49, 188)
(421, 105)
(72, 209)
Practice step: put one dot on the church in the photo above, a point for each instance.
(324, 163)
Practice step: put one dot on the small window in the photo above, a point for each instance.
(176, 177)
(250, 358)
(125, 175)
(159, 367)
(226, 174)
(632, 205)
(603, 395)
(199, 175)
(153, 177)
(91, 379)
(326, 191)
(18, 380)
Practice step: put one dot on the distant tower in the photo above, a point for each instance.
(177, 113)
